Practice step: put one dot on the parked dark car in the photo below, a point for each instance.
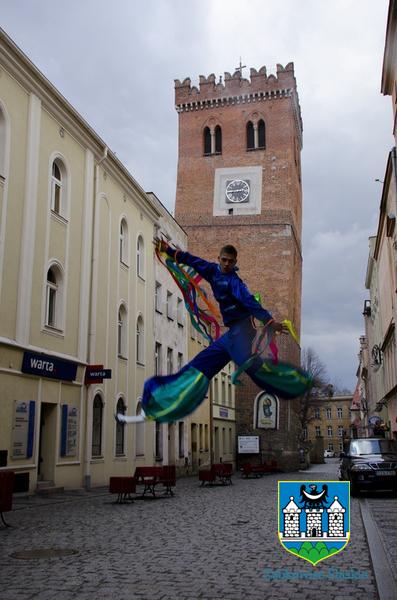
(369, 464)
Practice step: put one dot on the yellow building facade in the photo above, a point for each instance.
(76, 290)
(329, 418)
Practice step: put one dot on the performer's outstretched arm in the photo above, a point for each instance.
(203, 267)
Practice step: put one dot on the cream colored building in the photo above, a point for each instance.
(329, 418)
(76, 289)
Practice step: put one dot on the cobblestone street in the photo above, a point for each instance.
(212, 542)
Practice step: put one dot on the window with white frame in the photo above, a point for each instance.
(180, 361)
(340, 430)
(120, 429)
(123, 242)
(328, 413)
(305, 433)
(97, 426)
(139, 434)
(122, 332)
(331, 446)
(53, 307)
(179, 312)
(169, 361)
(159, 441)
(316, 413)
(157, 297)
(157, 358)
(181, 439)
(58, 185)
(318, 431)
(140, 257)
(339, 412)
(341, 446)
(329, 431)
(140, 340)
(170, 313)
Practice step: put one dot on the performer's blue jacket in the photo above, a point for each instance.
(235, 300)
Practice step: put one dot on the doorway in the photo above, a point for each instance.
(47, 442)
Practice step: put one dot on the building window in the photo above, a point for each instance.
(180, 361)
(250, 136)
(318, 431)
(340, 430)
(261, 135)
(97, 418)
(223, 391)
(57, 187)
(2, 143)
(159, 441)
(328, 413)
(170, 314)
(340, 413)
(140, 339)
(340, 446)
(201, 437)
(331, 446)
(329, 431)
(207, 141)
(53, 310)
(139, 434)
(206, 437)
(157, 359)
(305, 433)
(230, 441)
(218, 140)
(123, 242)
(120, 428)
(122, 332)
(179, 311)
(316, 413)
(181, 439)
(169, 361)
(140, 257)
(157, 297)
(224, 440)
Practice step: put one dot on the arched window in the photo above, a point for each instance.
(140, 335)
(250, 136)
(58, 192)
(261, 134)
(53, 308)
(97, 422)
(122, 332)
(218, 140)
(207, 141)
(120, 427)
(140, 257)
(139, 434)
(123, 241)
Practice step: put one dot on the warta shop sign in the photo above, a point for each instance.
(43, 365)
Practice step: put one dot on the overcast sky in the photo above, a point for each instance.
(116, 62)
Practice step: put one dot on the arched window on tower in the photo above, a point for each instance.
(250, 136)
(261, 134)
(218, 140)
(207, 141)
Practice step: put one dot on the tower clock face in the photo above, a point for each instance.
(237, 191)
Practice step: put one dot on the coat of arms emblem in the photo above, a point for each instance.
(314, 518)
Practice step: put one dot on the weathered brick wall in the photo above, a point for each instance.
(269, 244)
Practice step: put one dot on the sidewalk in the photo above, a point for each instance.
(208, 543)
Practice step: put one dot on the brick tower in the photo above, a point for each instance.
(239, 182)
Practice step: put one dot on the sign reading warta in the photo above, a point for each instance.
(96, 374)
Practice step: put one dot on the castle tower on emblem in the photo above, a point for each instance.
(291, 519)
(313, 522)
(335, 518)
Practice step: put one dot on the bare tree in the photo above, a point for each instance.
(311, 363)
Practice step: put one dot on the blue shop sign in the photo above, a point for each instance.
(48, 366)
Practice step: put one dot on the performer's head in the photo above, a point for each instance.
(227, 258)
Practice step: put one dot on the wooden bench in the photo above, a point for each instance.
(150, 477)
(6, 490)
(249, 469)
(124, 487)
(218, 472)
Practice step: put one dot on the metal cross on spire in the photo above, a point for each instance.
(241, 67)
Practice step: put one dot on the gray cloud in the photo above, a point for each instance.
(116, 62)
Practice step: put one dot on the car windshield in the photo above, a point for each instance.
(362, 447)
